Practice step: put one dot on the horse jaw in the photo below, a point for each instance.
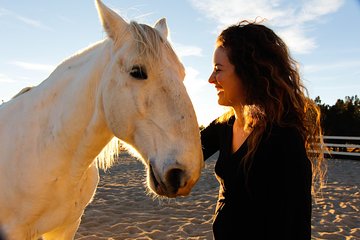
(171, 149)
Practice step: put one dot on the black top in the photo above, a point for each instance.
(272, 200)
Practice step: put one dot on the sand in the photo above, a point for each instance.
(122, 209)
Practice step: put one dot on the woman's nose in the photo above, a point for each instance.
(212, 78)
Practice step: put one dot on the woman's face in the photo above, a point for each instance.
(226, 81)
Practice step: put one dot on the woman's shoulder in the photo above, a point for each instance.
(283, 135)
(284, 143)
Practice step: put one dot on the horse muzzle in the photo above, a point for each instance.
(174, 183)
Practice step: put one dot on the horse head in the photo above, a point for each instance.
(146, 105)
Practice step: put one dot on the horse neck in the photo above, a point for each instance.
(76, 107)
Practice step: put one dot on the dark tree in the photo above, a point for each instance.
(341, 119)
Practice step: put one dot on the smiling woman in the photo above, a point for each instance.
(107, 91)
(270, 141)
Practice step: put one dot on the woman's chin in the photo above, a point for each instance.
(223, 102)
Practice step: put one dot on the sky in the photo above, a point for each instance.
(322, 35)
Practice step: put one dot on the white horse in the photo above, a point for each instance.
(128, 87)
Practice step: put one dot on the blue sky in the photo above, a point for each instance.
(323, 36)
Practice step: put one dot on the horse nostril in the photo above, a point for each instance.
(174, 177)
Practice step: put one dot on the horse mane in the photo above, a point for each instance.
(106, 158)
(148, 46)
(22, 91)
(112, 150)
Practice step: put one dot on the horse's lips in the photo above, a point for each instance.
(157, 185)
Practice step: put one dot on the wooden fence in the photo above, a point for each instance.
(342, 147)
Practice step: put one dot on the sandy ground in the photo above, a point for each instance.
(122, 209)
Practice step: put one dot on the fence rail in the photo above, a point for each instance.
(342, 147)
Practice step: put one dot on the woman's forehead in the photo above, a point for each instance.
(220, 56)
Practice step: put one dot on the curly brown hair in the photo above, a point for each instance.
(274, 92)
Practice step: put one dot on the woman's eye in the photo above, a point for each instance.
(138, 72)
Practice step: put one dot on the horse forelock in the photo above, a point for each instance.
(147, 40)
(149, 43)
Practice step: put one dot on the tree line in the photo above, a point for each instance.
(341, 119)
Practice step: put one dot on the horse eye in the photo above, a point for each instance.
(138, 72)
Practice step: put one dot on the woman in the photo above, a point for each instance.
(269, 151)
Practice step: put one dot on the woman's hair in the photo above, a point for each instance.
(274, 92)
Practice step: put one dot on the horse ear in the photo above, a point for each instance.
(161, 26)
(111, 21)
